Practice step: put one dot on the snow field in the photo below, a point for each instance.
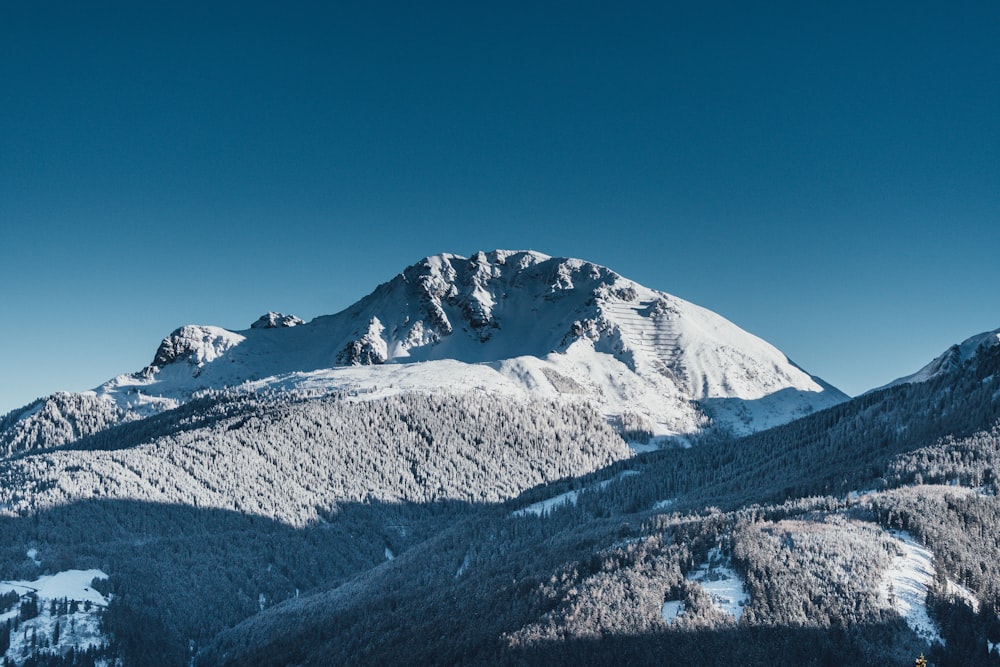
(78, 630)
(720, 581)
(906, 583)
(544, 507)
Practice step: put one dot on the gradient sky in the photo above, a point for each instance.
(825, 175)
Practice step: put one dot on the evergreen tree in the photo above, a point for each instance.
(29, 607)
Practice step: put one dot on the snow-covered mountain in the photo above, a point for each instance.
(511, 323)
(954, 358)
(374, 485)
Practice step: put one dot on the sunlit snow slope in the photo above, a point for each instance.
(954, 357)
(518, 323)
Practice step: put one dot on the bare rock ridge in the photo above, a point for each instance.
(273, 320)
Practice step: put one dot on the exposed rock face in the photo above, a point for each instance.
(273, 320)
(447, 294)
(370, 349)
(195, 344)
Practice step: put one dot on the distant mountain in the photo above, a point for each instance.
(506, 323)
(955, 357)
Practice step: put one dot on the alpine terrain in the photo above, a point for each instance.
(516, 324)
(502, 459)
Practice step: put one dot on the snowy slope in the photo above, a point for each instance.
(907, 582)
(508, 322)
(723, 585)
(954, 357)
(68, 615)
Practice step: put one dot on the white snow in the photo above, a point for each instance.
(720, 581)
(508, 322)
(72, 584)
(79, 630)
(953, 358)
(671, 609)
(544, 507)
(645, 447)
(959, 591)
(905, 586)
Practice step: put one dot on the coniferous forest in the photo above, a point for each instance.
(278, 529)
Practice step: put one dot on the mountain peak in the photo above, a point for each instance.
(507, 322)
(273, 320)
(498, 256)
(439, 304)
(198, 345)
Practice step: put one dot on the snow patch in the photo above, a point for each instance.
(720, 581)
(71, 584)
(544, 507)
(957, 590)
(75, 623)
(723, 585)
(671, 609)
(906, 583)
(464, 567)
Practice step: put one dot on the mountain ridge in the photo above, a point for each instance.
(509, 322)
(953, 358)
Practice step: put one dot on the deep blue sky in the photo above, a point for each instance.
(825, 175)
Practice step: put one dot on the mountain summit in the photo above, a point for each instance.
(509, 322)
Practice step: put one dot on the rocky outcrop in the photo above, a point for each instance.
(273, 320)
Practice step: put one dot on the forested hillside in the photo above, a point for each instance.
(864, 534)
(212, 512)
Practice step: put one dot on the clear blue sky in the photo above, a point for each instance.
(826, 175)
